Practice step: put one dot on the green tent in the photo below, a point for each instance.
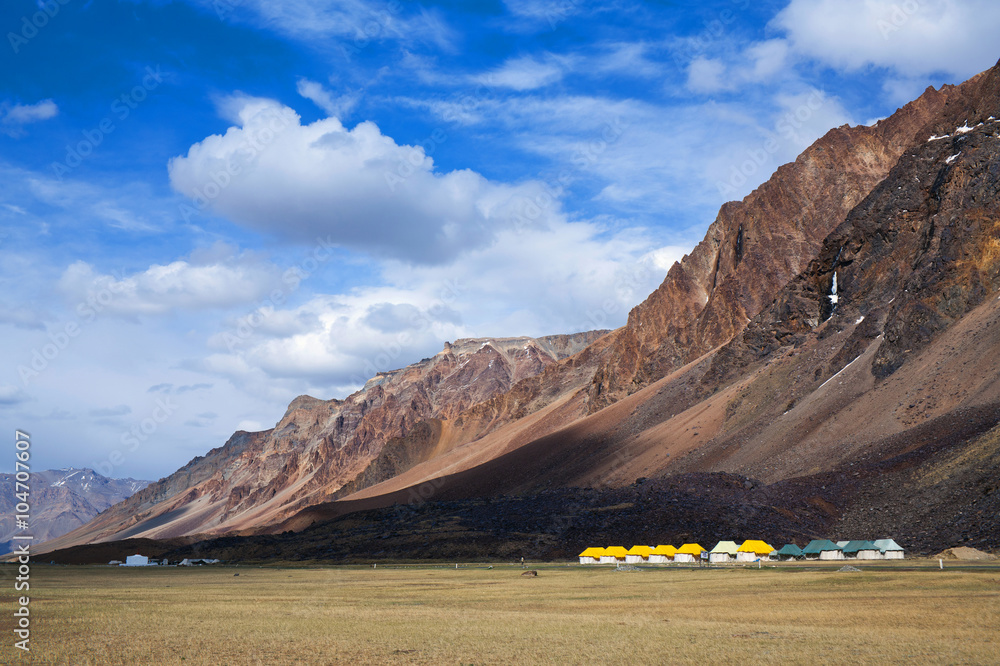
(790, 550)
(817, 546)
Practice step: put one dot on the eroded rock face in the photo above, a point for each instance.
(754, 248)
(921, 251)
(319, 445)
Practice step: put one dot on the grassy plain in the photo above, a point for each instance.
(438, 615)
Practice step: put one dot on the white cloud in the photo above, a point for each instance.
(14, 116)
(207, 280)
(566, 278)
(12, 395)
(358, 23)
(335, 107)
(911, 37)
(760, 62)
(524, 73)
(706, 75)
(298, 181)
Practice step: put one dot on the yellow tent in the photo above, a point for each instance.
(754, 546)
(752, 549)
(591, 555)
(662, 554)
(613, 554)
(638, 554)
(689, 552)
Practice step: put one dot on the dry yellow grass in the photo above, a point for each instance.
(92, 615)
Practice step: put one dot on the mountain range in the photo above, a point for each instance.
(821, 362)
(61, 500)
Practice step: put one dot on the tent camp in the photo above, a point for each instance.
(638, 555)
(591, 555)
(186, 562)
(689, 552)
(890, 549)
(613, 555)
(789, 552)
(724, 551)
(662, 555)
(753, 550)
(862, 550)
(822, 549)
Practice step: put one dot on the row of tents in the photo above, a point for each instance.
(749, 551)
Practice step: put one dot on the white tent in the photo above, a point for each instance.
(136, 561)
(724, 551)
(890, 549)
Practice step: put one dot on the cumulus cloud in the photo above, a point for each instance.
(911, 37)
(566, 278)
(13, 117)
(357, 185)
(204, 281)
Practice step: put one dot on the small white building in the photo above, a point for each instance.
(136, 561)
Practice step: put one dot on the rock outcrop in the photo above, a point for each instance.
(318, 446)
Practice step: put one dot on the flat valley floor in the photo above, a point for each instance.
(907, 612)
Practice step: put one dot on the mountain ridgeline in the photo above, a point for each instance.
(815, 364)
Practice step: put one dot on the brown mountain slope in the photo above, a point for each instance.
(750, 252)
(325, 449)
(755, 247)
(320, 445)
(888, 361)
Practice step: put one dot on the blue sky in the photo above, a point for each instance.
(210, 207)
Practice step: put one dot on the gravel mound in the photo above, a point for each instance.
(849, 569)
(964, 553)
